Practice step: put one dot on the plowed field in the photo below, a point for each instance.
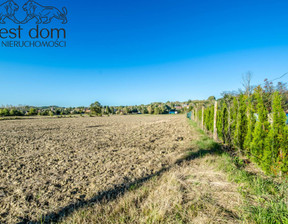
(47, 164)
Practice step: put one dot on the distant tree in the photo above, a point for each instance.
(58, 112)
(45, 113)
(156, 110)
(246, 82)
(145, 110)
(14, 112)
(268, 93)
(161, 110)
(32, 111)
(108, 110)
(211, 98)
(112, 110)
(165, 109)
(282, 89)
(103, 110)
(150, 109)
(96, 108)
(126, 110)
(5, 112)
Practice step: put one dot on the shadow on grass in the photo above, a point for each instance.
(211, 148)
(206, 146)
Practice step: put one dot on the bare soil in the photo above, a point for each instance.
(192, 190)
(48, 164)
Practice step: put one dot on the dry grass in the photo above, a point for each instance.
(192, 190)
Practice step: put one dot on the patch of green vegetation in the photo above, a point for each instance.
(266, 201)
(205, 144)
(265, 197)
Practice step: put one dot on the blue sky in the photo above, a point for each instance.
(132, 52)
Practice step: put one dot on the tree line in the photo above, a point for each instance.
(97, 109)
(153, 108)
(40, 111)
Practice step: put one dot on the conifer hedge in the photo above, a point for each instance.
(245, 124)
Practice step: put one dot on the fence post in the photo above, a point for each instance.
(193, 114)
(229, 125)
(196, 115)
(215, 117)
(202, 123)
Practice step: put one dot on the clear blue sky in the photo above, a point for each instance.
(132, 52)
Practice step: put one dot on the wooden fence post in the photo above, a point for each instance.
(196, 115)
(192, 115)
(202, 123)
(215, 127)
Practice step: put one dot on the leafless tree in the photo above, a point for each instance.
(246, 83)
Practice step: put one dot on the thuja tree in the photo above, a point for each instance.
(225, 123)
(284, 151)
(250, 125)
(206, 118)
(227, 119)
(199, 115)
(261, 128)
(209, 118)
(275, 143)
(233, 115)
(219, 122)
(241, 123)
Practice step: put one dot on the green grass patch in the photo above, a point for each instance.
(265, 197)
(266, 200)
